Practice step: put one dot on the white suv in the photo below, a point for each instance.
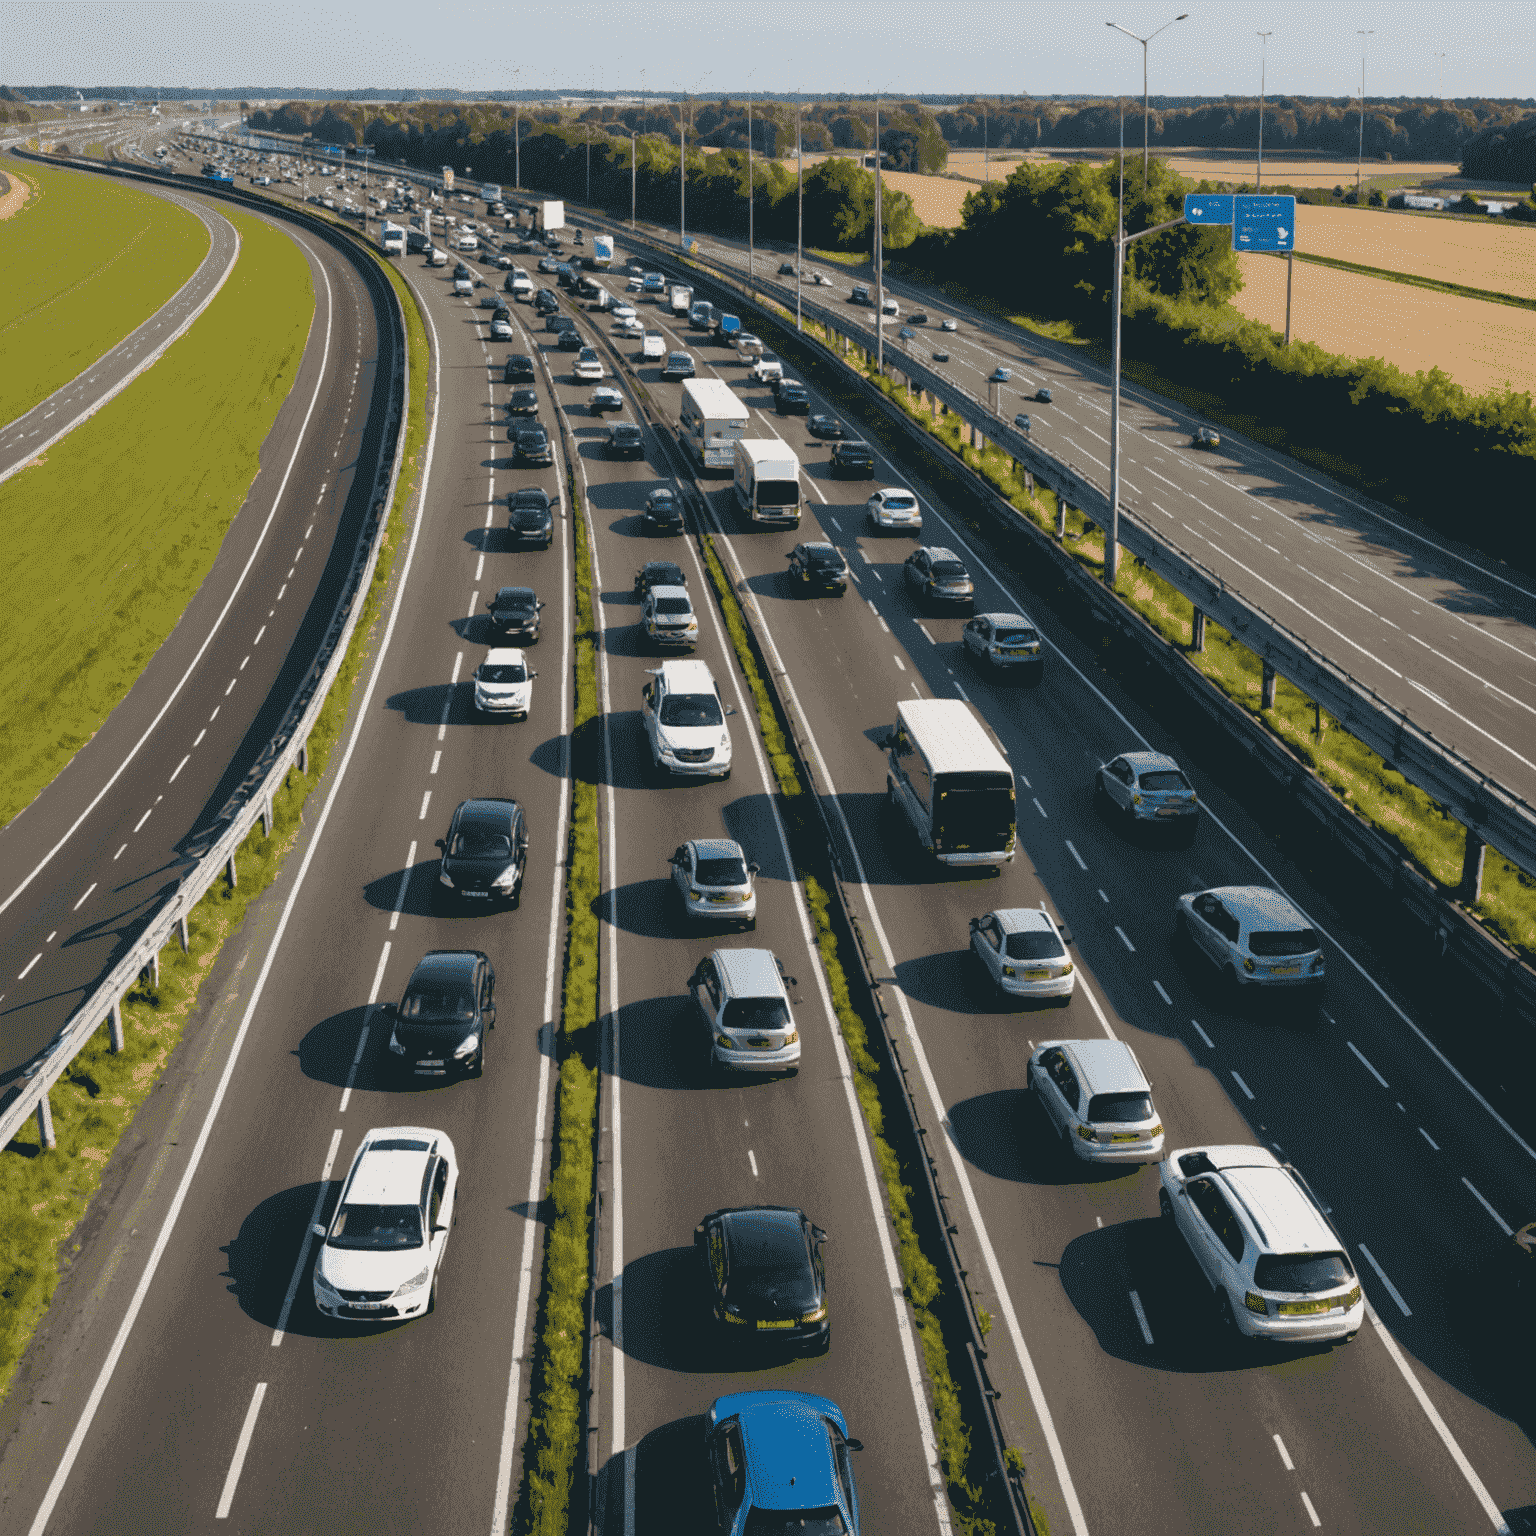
(379, 1258)
(1276, 1267)
(669, 619)
(1097, 1099)
(744, 1007)
(685, 721)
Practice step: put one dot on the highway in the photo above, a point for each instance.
(93, 855)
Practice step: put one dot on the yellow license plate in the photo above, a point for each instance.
(1300, 1308)
(1127, 1136)
(763, 1045)
(1285, 970)
(1038, 974)
(777, 1322)
(725, 900)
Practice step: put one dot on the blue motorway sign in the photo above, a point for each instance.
(1208, 208)
(1264, 224)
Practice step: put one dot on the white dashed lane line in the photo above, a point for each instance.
(1247, 1091)
(1076, 855)
(1364, 1063)
(1161, 992)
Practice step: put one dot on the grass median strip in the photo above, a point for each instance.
(44, 1194)
(972, 1506)
(85, 261)
(109, 536)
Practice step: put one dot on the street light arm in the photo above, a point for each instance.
(1156, 229)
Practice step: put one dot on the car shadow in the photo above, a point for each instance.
(424, 705)
(1005, 1134)
(671, 1483)
(420, 882)
(662, 1045)
(631, 526)
(627, 637)
(648, 909)
(667, 1321)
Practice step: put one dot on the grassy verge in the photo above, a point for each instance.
(1435, 284)
(554, 1428)
(838, 258)
(85, 261)
(111, 532)
(44, 1194)
(874, 1086)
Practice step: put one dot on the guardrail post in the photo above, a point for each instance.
(182, 934)
(266, 817)
(1471, 891)
(1267, 690)
(115, 1026)
(230, 873)
(304, 755)
(1197, 631)
(45, 1135)
(1061, 516)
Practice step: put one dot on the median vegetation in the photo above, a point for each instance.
(44, 1194)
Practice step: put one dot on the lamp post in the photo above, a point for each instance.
(751, 207)
(1146, 100)
(1439, 77)
(799, 214)
(1258, 185)
(1363, 32)
(517, 136)
(589, 165)
(632, 179)
(879, 254)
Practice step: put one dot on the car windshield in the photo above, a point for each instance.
(438, 1002)
(1120, 1108)
(376, 1226)
(1034, 944)
(531, 498)
(900, 503)
(658, 498)
(1016, 637)
(672, 605)
(756, 1013)
(795, 1522)
(691, 709)
(825, 557)
(721, 872)
(509, 672)
(626, 434)
(1166, 779)
(518, 598)
(1303, 1273)
(949, 570)
(1301, 942)
(532, 434)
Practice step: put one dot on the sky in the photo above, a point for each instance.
(959, 47)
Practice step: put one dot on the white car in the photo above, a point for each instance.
(468, 242)
(605, 398)
(654, 345)
(380, 1256)
(631, 325)
(504, 683)
(748, 345)
(625, 312)
(522, 286)
(893, 506)
(504, 262)
(714, 881)
(1096, 1098)
(1254, 938)
(462, 287)
(685, 721)
(668, 618)
(634, 285)
(588, 368)
(890, 307)
(1024, 953)
(501, 330)
(767, 367)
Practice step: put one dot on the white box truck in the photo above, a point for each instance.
(680, 298)
(548, 216)
(393, 239)
(438, 257)
(768, 481)
(712, 421)
(952, 783)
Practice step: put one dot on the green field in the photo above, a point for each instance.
(110, 534)
(85, 261)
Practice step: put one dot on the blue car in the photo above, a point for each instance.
(781, 1463)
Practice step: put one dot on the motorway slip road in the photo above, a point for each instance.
(91, 858)
(23, 439)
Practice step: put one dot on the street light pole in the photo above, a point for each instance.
(1364, 32)
(751, 211)
(632, 179)
(1258, 185)
(879, 254)
(589, 165)
(799, 214)
(682, 173)
(1146, 100)
(1439, 77)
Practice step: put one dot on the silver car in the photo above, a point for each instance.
(714, 881)
(1025, 953)
(1148, 787)
(894, 506)
(1005, 642)
(1096, 1098)
(743, 1003)
(1253, 936)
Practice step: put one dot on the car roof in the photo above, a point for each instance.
(716, 848)
(391, 1176)
(939, 552)
(1284, 1219)
(781, 1225)
(1260, 909)
(530, 493)
(687, 676)
(1151, 762)
(445, 965)
(788, 1453)
(625, 426)
(749, 972)
(505, 656)
(1024, 920)
(665, 589)
(998, 620)
(487, 811)
(821, 544)
(1105, 1066)
(513, 594)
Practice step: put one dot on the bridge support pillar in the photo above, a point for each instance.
(115, 1027)
(182, 934)
(1471, 891)
(1197, 631)
(1267, 690)
(45, 1135)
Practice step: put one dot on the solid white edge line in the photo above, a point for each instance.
(1477, 1195)
(229, 603)
(1381, 1274)
(162, 1241)
(1360, 1057)
(242, 1445)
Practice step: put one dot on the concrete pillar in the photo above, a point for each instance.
(1471, 891)
(45, 1124)
(1197, 633)
(1267, 690)
(266, 818)
(230, 872)
(1061, 517)
(182, 934)
(1029, 483)
(304, 755)
(115, 1027)
(1317, 720)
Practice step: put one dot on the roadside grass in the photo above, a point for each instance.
(44, 1195)
(84, 262)
(840, 258)
(553, 1447)
(108, 537)
(874, 1087)
(1435, 284)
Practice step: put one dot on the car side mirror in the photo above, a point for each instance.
(492, 603)
(819, 1235)
(753, 869)
(532, 675)
(541, 605)
(975, 923)
(436, 1230)
(1065, 932)
(854, 1445)
(317, 1231)
(885, 742)
(730, 709)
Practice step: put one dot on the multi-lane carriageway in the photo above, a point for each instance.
(198, 1387)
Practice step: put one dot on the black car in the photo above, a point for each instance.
(484, 853)
(938, 576)
(918, 317)
(532, 442)
(663, 512)
(1022, 422)
(524, 402)
(822, 425)
(460, 270)
(565, 274)
(515, 614)
(547, 263)
(786, 269)
(554, 321)
(1043, 396)
(570, 341)
(679, 366)
(818, 568)
(635, 265)
(1205, 437)
(530, 520)
(853, 459)
(519, 369)
(440, 1023)
(658, 573)
(766, 1276)
(941, 356)
(625, 441)
(545, 303)
(792, 398)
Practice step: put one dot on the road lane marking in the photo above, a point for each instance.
(1161, 993)
(30, 963)
(1241, 1084)
(1076, 855)
(1364, 1063)
(231, 687)
(1430, 1139)
(1503, 1225)
(437, 758)
(926, 636)
(303, 1258)
(91, 887)
(1311, 1513)
(120, 852)
(897, 659)
(188, 758)
(1211, 1043)
(405, 880)
(1381, 1274)
(1285, 1455)
(242, 1445)
(1141, 1317)
(1124, 940)
(752, 1159)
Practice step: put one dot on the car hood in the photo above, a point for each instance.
(515, 615)
(467, 871)
(533, 518)
(362, 1269)
(504, 690)
(690, 738)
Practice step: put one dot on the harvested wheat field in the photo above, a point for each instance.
(1482, 346)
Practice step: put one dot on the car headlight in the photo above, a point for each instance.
(1086, 1133)
(1318, 965)
(444, 878)
(731, 1315)
(321, 1283)
(466, 1047)
(1255, 1303)
(792, 1038)
(1008, 970)
(1135, 799)
(394, 1045)
(1348, 1301)
(1064, 970)
(506, 879)
(726, 1041)
(696, 895)
(415, 1283)
(1155, 1130)
(816, 1316)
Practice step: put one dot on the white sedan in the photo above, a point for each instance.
(1024, 953)
(624, 312)
(589, 367)
(605, 398)
(633, 326)
(654, 345)
(504, 684)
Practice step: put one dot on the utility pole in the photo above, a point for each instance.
(1258, 185)
(751, 211)
(682, 172)
(986, 158)
(1364, 32)
(517, 137)
(1440, 77)
(879, 254)
(589, 165)
(799, 214)
(632, 179)
(1146, 100)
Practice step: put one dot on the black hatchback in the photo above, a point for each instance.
(519, 369)
(440, 1024)
(515, 614)
(530, 519)
(545, 303)
(484, 853)
(853, 459)
(818, 568)
(570, 340)
(658, 573)
(792, 398)
(524, 402)
(766, 1278)
(663, 512)
(532, 443)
